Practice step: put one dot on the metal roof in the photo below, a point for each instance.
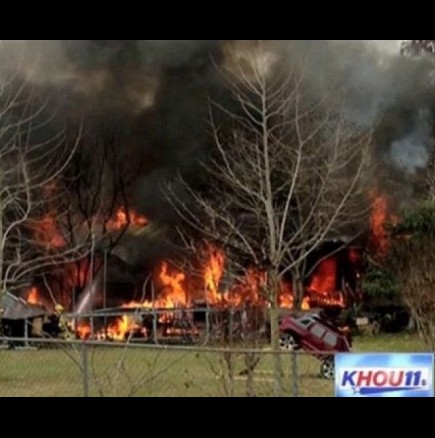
(14, 308)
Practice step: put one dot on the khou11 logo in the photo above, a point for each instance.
(384, 375)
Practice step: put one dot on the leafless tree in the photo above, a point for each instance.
(95, 200)
(34, 152)
(287, 173)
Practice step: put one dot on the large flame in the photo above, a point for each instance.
(175, 290)
(119, 330)
(173, 294)
(116, 330)
(213, 272)
(380, 216)
(324, 279)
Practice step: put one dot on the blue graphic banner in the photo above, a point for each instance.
(384, 375)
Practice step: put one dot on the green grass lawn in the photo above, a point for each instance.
(147, 372)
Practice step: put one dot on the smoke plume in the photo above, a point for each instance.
(155, 95)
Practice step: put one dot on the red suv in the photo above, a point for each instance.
(312, 333)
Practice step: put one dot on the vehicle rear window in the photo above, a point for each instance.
(318, 330)
(305, 321)
(330, 339)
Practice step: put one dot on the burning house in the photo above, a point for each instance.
(107, 298)
(118, 300)
(146, 103)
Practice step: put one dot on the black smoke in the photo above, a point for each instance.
(155, 96)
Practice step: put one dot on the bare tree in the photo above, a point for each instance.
(95, 200)
(34, 152)
(287, 173)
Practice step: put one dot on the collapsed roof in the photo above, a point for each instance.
(14, 308)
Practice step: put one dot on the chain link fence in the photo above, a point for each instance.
(40, 367)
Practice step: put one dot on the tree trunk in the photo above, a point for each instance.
(273, 287)
(298, 291)
(251, 360)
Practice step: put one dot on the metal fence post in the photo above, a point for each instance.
(85, 365)
(231, 324)
(294, 372)
(207, 324)
(26, 333)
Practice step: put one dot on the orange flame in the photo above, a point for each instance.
(333, 299)
(323, 288)
(175, 294)
(213, 272)
(379, 217)
(122, 219)
(305, 305)
(286, 296)
(249, 289)
(118, 330)
(83, 330)
(377, 221)
(47, 232)
(33, 297)
(324, 279)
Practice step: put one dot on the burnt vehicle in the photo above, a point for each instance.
(313, 333)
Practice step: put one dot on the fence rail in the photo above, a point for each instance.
(53, 367)
(157, 325)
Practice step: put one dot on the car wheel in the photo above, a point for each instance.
(327, 369)
(288, 342)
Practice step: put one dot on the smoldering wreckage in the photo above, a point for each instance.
(156, 92)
